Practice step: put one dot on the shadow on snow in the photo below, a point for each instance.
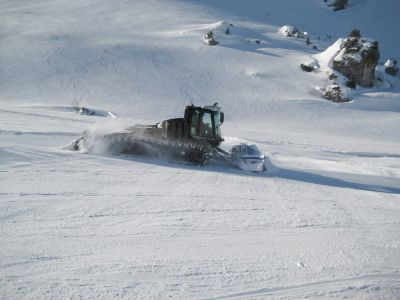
(335, 180)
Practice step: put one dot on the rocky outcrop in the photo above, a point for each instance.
(357, 59)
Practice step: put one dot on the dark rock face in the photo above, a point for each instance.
(357, 60)
(306, 68)
(338, 4)
(351, 84)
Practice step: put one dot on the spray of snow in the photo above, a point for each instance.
(94, 140)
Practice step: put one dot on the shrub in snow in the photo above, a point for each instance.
(332, 76)
(391, 67)
(355, 33)
(291, 31)
(357, 59)
(209, 39)
(334, 93)
(337, 4)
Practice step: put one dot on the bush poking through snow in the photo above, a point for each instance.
(355, 33)
(209, 39)
(332, 76)
(357, 59)
(391, 67)
(291, 31)
(309, 43)
(334, 93)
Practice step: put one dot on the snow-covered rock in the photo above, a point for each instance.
(357, 59)
(291, 31)
(209, 39)
(391, 67)
(334, 93)
(310, 66)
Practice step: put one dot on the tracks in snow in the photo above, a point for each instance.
(371, 286)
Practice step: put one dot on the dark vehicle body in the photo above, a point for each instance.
(195, 138)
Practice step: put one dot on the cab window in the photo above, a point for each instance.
(195, 122)
(206, 125)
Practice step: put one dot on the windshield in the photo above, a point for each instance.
(217, 119)
(206, 125)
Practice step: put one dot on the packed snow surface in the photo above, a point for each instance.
(322, 222)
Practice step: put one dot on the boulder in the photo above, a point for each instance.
(309, 67)
(357, 59)
(306, 68)
(209, 39)
(391, 67)
(334, 93)
(291, 31)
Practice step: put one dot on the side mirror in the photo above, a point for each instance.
(221, 117)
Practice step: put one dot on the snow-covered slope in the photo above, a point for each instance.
(128, 59)
(323, 222)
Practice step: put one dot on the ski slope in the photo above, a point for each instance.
(322, 223)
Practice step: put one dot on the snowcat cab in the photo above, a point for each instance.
(199, 124)
(205, 123)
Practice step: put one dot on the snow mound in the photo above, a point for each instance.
(325, 58)
(220, 27)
